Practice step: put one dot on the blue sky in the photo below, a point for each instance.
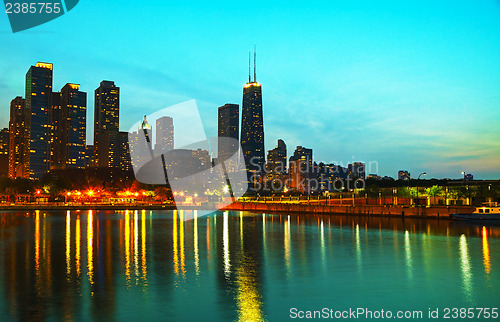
(409, 85)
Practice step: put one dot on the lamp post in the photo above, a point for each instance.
(423, 173)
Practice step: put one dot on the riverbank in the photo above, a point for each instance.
(23, 207)
(361, 210)
(269, 207)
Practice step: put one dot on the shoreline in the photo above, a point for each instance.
(270, 207)
(434, 212)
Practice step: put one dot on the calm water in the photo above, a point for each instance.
(129, 265)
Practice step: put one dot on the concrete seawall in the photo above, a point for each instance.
(362, 210)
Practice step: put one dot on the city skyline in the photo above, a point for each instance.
(412, 88)
(66, 152)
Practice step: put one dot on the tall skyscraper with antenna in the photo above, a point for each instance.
(252, 127)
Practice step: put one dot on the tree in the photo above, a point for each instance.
(433, 192)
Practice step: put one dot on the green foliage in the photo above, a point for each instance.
(434, 191)
(407, 192)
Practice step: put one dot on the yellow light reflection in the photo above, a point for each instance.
(466, 267)
(90, 247)
(127, 247)
(225, 236)
(248, 299)
(486, 252)
(287, 246)
(77, 245)
(136, 245)
(195, 241)
(174, 237)
(68, 243)
(143, 246)
(181, 244)
(37, 241)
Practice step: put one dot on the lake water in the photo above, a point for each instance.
(229, 266)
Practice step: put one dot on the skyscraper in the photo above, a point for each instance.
(123, 155)
(4, 152)
(252, 128)
(74, 116)
(276, 164)
(17, 130)
(106, 124)
(57, 131)
(357, 170)
(37, 115)
(164, 135)
(228, 131)
(301, 170)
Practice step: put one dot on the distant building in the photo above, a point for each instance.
(228, 133)
(403, 175)
(374, 176)
(4, 152)
(18, 151)
(300, 170)
(37, 115)
(330, 176)
(468, 177)
(164, 135)
(106, 124)
(356, 170)
(276, 165)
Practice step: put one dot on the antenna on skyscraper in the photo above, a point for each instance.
(254, 62)
(249, 66)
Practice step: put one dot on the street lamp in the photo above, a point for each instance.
(423, 173)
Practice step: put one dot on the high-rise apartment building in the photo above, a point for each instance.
(4, 152)
(106, 124)
(276, 164)
(164, 135)
(74, 111)
(37, 115)
(18, 152)
(300, 170)
(228, 132)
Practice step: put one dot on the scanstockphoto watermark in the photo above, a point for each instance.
(28, 14)
(354, 313)
(467, 313)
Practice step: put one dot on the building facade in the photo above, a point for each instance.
(17, 131)
(74, 111)
(301, 171)
(228, 132)
(403, 175)
(164, 135)
(276, 166)
(37, 116)
(4, 152)
(252, 130)
(106, 124)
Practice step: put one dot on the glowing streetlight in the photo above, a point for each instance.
(422, 174)
(226, 189)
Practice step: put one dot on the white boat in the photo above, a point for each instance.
(488, 211)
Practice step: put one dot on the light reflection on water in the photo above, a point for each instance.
(252, 267)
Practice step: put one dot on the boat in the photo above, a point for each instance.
(488, 211)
